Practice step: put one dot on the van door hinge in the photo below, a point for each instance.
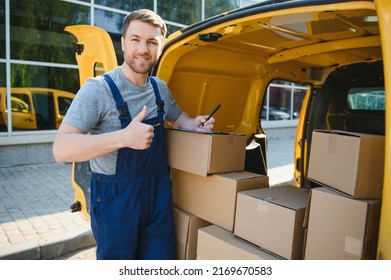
(78, 48)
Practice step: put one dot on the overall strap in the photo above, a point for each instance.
(159, 101)
(124, 115)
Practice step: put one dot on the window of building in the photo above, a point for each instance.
(2, 29)
(216, 7)
(109, 21)
(128, 5)
(41, 76)
(2, 75)
(35, 110)
(185, 11)
(37, 30)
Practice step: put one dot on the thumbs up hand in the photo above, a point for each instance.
(141, 115)
(138, 135)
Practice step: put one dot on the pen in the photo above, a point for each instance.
(211, 114)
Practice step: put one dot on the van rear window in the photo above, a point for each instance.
(366, 98)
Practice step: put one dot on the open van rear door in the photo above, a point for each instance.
(383, 8)
(95, 55)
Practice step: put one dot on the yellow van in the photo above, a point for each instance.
(340, 50)
(34, 108)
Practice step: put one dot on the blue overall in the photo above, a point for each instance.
(132, 216)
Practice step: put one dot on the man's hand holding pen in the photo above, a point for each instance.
(206, 123)
(203, 125)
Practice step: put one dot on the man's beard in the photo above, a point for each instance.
(144, 69)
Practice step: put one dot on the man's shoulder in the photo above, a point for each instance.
(95, 81)
(115, 74)
(99, 80)
(94, 86)
(158, 80)
(161, 84)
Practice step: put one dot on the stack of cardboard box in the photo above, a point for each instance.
(207, 172)
(231, 208)
(223, 212)
(343, 214)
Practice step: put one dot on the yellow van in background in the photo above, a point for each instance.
(34, 108)
(339, 49)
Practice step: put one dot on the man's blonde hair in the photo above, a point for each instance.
(147, 16)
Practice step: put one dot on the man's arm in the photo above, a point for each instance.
(75, 145)
(184, 121)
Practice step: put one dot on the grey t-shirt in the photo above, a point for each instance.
(94, 110)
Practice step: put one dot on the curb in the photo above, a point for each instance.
(50, 248)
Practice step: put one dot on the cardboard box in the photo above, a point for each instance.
(350, 162)
(216, 243)
(186, 232)
(213, 198)
(205, 153)
(340, 227)
(273, 219)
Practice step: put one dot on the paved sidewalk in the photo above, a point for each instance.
(35, 200)
(280, 160)
(35, 217)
